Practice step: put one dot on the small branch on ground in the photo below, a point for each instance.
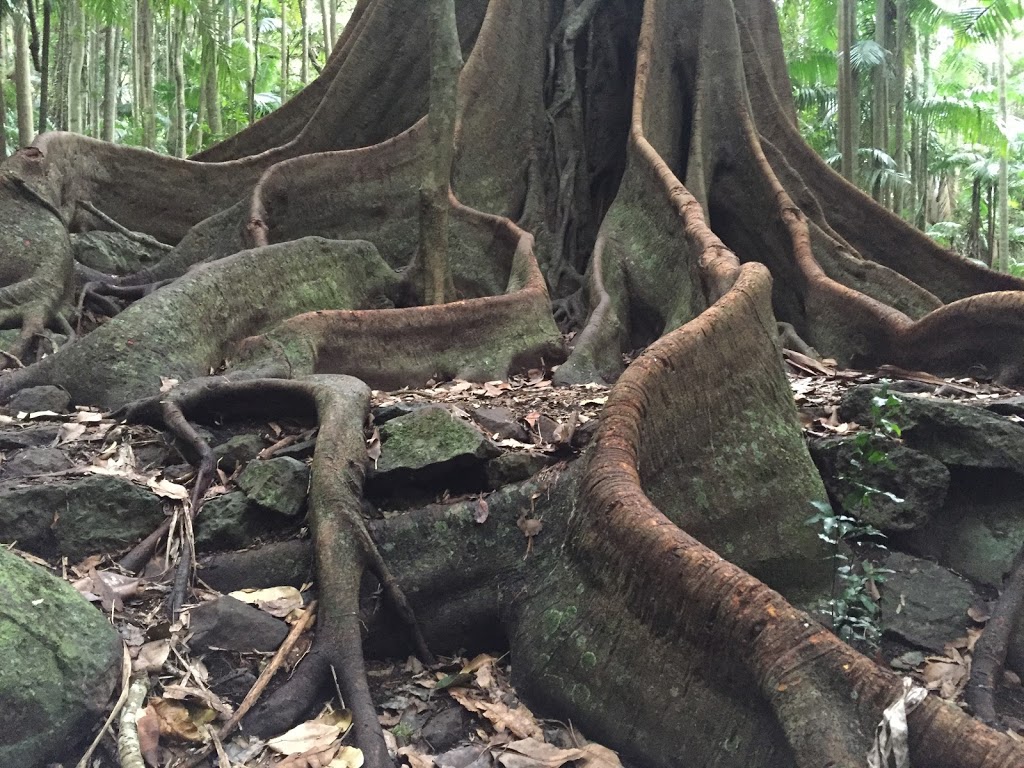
(128, 748)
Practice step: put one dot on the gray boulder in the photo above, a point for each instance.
(954, 433)
(923, 604)
(911, 485)
(112, 252)
(43, 398)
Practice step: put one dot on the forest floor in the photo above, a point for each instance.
(461, 712)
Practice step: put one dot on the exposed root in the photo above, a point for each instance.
(138, 237)
(989, 657)
(343, 545)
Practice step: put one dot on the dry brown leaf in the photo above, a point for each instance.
(480, 510)
(529, 527)
(314, 758)
(947, 676)
(167, 489)
(519, 721)
(534, 753)
(373, 447)
(201, 695)
(148, 724)
(88, 417)
(348, 757)
(596, 756)
(151, 656)
(70, 432)
(277, 601)
(416, 758)
(176, 720)
(305, 737)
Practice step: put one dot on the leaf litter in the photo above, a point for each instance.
(501, 730)
(183, 711)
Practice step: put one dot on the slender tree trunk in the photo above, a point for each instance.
(879, 101)
(304, 68)
(44, 75)
(924, 193)
(135, 46)
(211, 90)
(76, 29)
(847, 95)
(178, 112)
(33, 31)
(332, 19)
(991, 224)
(250, 61)
(3, 78)
(111, 59)
(445, 65)
(200, 114)
(325, 9)
(900, 91)
(146, 84)
(23, 80)
(973, 245)
(95, 82)
(1003, 264)
(284, 51)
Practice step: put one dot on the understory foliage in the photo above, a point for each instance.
(621, 175)
(853, 606)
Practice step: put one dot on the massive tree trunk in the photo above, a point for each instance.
(636, 168)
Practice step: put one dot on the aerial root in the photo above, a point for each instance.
(101, 294)
(138, 237)
(343, 545)
(990, 650)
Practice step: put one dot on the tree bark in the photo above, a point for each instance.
(899, 151)
(147, 84)
(250, 61)
(179, 140)
(304, 16)
(76, 28)
(880, 98)
(284, 50)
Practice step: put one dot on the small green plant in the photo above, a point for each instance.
(853, 604)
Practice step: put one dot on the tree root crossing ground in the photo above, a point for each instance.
(631, 171)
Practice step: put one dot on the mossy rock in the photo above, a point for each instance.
(81, 517)
(279, 485)
(232, 521)
(61, 660)
(429, 436)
